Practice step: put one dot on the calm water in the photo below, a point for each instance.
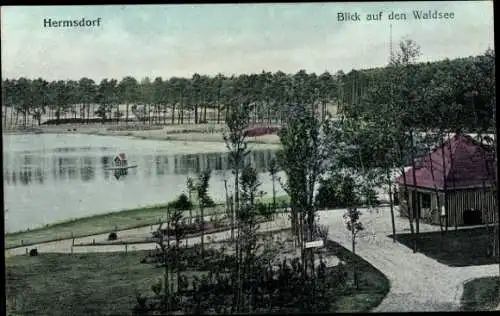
(50, 178)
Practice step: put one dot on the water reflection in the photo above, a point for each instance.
(45, 182)
(38, 169)
(120, 173)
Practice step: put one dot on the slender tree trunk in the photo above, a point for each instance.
(406, 198)
(236, 193)
(274, 192)
(196, 114)
(354, 262)
(11, 117)
(391, 205)
(228, 207)
(166, 238)
(218, 109)
(455, 215)
(445, 187)
(182, 114)
(415, 196)
(202, 229)
(88, 113)
(173, 113)
(436, 191)
(17, 118)
(179, 113)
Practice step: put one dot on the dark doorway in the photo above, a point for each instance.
(417, 203)
(472, 217)
(426, 200)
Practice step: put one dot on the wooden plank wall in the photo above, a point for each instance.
(458, 202)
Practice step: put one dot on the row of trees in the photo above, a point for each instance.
(448, 94)
(443, 94)
(161, 101)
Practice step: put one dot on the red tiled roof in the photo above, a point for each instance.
(261, 130)
(464, 166)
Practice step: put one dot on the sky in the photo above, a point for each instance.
(180, 40)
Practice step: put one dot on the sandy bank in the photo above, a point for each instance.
(185, 132)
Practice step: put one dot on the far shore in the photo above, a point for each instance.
(183, 132)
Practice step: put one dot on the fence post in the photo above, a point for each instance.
(73, 242)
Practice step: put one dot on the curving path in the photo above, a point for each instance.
(418, 283)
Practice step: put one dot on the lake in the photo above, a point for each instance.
(50, 177)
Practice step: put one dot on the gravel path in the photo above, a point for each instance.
(418, 283)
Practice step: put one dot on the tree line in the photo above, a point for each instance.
(165, 101)
(445, 94)
(450, 94)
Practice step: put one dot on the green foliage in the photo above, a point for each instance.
(264, 210)
(182, 203)
(304, 158)
(201, 188)
(208, 201)
(442, 94)
(369, 196)
(337, 192)
(351, 218)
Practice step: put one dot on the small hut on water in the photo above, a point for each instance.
(120, 160)
(455, 181)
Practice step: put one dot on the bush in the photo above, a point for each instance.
(112, 236)
(395, 198)
(321, 231)
(182, 203)
(33, 252)
(336, 192)
(370, 197)
(208, 202)
(264, 210)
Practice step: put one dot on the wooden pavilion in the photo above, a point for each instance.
(456, 181)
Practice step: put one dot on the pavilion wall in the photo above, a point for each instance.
(472, 199)
(458, 202)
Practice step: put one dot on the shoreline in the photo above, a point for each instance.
(184, 132)
(108, 222)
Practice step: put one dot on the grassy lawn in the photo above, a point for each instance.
(373, 284)
(64, 284)
(107, 283)
(464, 247)
(481, 294)
(104, 223)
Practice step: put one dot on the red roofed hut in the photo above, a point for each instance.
(256, 131)
(456, 180)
